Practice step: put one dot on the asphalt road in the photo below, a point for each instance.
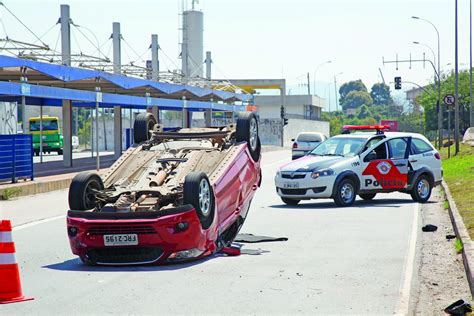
(337, 260)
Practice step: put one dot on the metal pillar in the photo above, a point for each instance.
(117, 109)
(97, 158)
(23, 114)
(471, 108)
(283, 105)
(155, 69)
(185, 115)
(66, 104)
(41, 134)
(456, 70)
(155, 63)
(208, 112)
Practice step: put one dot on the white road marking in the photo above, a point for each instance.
(403, 302)
(41, 221)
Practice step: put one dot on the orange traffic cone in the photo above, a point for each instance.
(10, 286)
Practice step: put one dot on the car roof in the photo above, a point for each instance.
(387, 134)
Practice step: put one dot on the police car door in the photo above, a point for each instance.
(386, 165)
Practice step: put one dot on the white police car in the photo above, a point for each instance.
(363, 164)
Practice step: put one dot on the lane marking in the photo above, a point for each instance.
(403, 302)
(34, 223)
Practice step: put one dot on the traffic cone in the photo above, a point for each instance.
(10, 286)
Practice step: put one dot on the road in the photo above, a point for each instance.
(336, 260)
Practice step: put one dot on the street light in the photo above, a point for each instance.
(427, 46)
(314, 74)
(335, 88)
(440, 112)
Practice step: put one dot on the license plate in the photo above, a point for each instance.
(121, 240)
(291, 185)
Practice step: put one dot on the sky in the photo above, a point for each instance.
(268, 39)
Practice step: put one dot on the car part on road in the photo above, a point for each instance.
(197, 191)
(450, 236)
(251, 239)
(459, 308)
(345, 193)
(247, 131)
(83, 191)
(429, 228)
(367, 196)
(288, 201)
(421, 190)
(144, 123)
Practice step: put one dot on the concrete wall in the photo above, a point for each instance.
(268, 106)
(270, 131)
(8, 118)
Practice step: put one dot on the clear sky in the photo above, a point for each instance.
(269, 39)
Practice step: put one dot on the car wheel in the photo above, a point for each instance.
(247, 131)
(290, 201)
(367, 196)
(197, 191)
(82, 191)
(36, 153)
(142, 126)
(60, 151)
(345, 193)
(421, 191)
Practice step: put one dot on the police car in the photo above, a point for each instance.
(362, 163)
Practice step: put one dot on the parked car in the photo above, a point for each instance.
(306, 142)
(173, 196)
(363, 164)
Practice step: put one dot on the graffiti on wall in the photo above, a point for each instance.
(8, 118)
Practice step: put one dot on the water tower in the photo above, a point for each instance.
(192, 46)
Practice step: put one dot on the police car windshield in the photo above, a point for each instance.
(339, 146)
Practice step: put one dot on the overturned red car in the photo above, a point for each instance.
(174, 196)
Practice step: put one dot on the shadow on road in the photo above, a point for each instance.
(392, 203)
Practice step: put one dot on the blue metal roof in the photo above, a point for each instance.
(70, 74)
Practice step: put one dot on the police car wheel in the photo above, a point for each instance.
(367, 196)
(290, 201)
(345, 193)
(421, 190)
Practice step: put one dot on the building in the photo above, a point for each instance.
(308, 107)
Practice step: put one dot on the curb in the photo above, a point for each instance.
(462, 233)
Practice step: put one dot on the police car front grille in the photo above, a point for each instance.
(294, 191)
(293, 176)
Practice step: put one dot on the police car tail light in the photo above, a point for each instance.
(437, 156)
(295, 145)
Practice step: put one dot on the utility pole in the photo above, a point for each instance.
(456, 101)
(117, 58)
(155, 70)
(208, 113)
(65, 21)
(309, 89)
(471, 108)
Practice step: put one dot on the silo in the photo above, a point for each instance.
(192, 50)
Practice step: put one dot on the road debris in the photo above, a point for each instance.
(459, 308)
(429, 228)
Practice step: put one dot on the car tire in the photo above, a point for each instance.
(60, 152)
(421, 190)
(144, 123)
(345, 193)
(80, 195)
(367, 196)
(197, 191)
(247, 131)
(288, 201)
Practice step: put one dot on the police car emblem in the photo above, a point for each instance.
(384, 167)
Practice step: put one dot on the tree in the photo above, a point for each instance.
(348, 87)
(380, 94)
(364, 112)
(356, 99)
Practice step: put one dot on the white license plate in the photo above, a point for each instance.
(121, 240)
(291, 185)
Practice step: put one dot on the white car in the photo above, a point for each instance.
(305, 142)
(362, 164)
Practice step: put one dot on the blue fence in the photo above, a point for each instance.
(16, 157)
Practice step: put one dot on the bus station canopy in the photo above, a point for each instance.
(48, 84)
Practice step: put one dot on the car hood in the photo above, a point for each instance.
(311, 163)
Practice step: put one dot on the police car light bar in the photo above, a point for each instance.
(378, 128)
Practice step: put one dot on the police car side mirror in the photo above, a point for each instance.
(370, 156)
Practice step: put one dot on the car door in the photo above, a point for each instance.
(386, 165)
(422, 155)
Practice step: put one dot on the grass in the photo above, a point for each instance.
(459, 175)
(10, 193)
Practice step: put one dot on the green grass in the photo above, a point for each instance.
(10, 193)
(459, 175)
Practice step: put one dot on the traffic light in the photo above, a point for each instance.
(285, 121)
(398, 83)
(282, 112)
